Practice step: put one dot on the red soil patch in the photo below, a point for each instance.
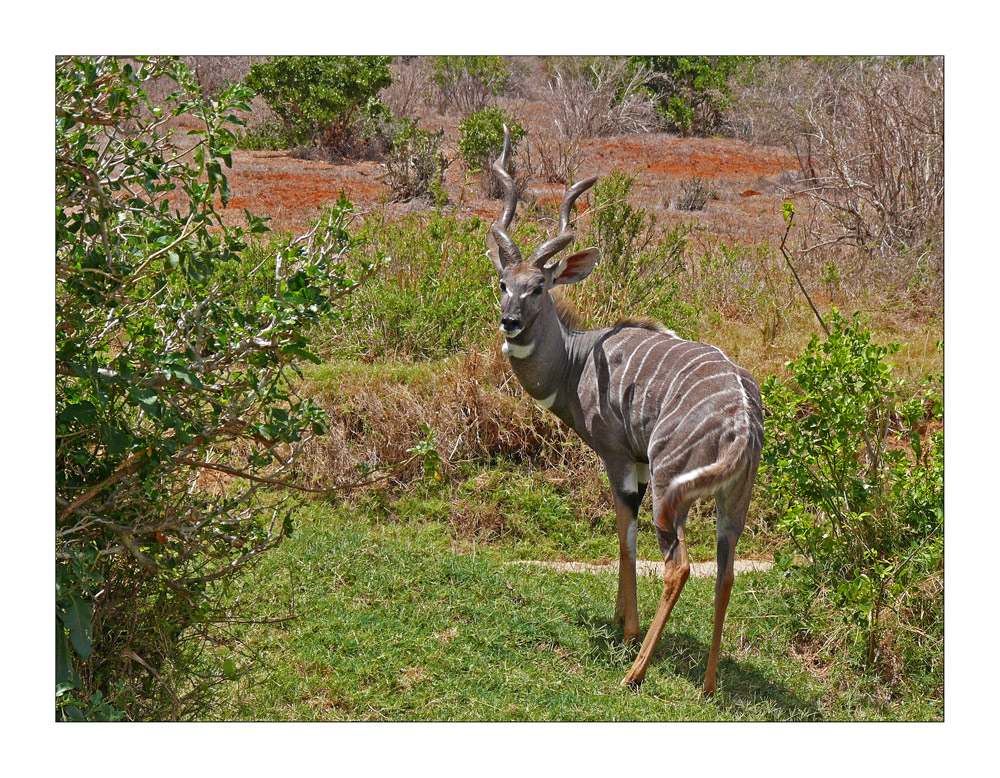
(708, 158)
(293, 192)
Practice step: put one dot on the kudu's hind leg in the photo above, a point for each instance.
(676, 569)
(731, 510)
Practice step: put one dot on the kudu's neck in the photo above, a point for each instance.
(541, 355)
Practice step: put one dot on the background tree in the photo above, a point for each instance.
(324, 100)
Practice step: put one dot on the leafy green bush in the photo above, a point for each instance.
(480, 142)
(173, 337)
(468, 82)
(639, 270)
(267, 136)
(324, 100)
(859, 488)
(693, 92)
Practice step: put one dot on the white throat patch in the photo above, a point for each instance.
(547, 402)
(515, 351)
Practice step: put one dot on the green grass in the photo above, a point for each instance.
(390, 618)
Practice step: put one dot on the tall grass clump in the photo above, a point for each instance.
(857, 476)
(640, 267)
(434, 292)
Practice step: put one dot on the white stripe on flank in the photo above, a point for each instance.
(679, 404)
(515, 351)
(652, 380)
(624, 375)
(547, 402)
(691, 410)
(681, 452)
(624, 371)
(682, 374)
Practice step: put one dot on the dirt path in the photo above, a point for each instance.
(652, 567)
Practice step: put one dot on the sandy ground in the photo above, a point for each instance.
(652, 567)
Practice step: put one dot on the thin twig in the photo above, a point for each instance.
(798, 280)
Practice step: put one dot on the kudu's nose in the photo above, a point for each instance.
(510, 323)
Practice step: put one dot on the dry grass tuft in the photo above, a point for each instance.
(471, 403)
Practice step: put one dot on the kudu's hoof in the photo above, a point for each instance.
(631, 682)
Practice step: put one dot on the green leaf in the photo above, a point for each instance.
(77, 617)
(82, 413)
(115, 440)
(149, 401)
(301, 353)
(64, 668)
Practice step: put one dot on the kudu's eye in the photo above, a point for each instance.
(503, 287)
(536, 291)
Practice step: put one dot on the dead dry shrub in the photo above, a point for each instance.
(695, 194)
(410, 89)
(471, 403)
(868, 134)
(555, 158)
(878, 149)
(214, 72)
(601, 96)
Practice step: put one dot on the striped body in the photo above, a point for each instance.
(640, 395)
(659, 410)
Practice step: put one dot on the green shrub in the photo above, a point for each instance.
(415, 165)
(468, 82)
(692, 92)
(639, 270)
(173, 338)
(481, 142)
(267, 136)
(859, 489)
(323, 100)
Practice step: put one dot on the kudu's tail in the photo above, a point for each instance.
(703, 481)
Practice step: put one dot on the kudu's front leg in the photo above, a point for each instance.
(627, 491)
(626, 605)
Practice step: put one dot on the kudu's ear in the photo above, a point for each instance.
(575, 267)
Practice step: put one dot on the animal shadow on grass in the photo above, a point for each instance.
(743, 689)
